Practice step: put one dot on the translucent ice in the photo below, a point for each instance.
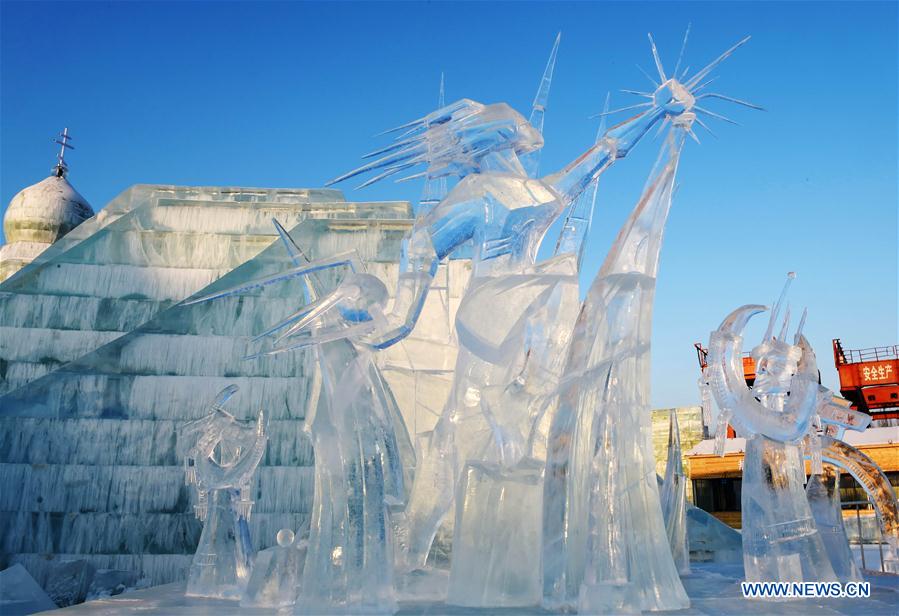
(780, 539)
(353, 421)
(276, 573)
(605, 544)
(20, 594)
(674, 498)
(220, 462)
(496, 545)
(823, 494)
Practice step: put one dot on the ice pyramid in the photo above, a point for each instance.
(101, 364)
(152, 247)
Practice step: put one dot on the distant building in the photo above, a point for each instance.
(689, 420)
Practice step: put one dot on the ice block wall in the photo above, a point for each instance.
(101, 365)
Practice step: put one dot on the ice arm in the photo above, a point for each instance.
(417, 269)
(574, 179)
(434, 237)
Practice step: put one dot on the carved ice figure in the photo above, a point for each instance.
(506, 215)
(605, 544)
(878, 488)
(357, 431)
(674, 498)
(836, 416)
(780, 539)
(358, 435)
(276, 573)
(221, 459)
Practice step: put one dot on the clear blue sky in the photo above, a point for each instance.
(289, 94)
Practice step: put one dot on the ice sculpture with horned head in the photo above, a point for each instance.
(222, 456)
(780, 538)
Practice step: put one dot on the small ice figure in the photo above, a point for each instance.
(357, 432)
(220, 462)
(276, 573)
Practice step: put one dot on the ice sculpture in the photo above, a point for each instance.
(674, 498)
(823, 493)
(506, 214)
(780, 539)
(354, 425)
(880, 492)
(605, 544)
(221, 461)
(276, 573)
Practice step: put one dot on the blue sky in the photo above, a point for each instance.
(290, 94)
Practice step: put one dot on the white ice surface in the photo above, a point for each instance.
(713, 589)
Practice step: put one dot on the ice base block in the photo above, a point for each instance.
(497, 539)
(221, 566)
(780, 540)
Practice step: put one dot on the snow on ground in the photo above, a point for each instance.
(713, 589)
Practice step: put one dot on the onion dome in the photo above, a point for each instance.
(41, 214)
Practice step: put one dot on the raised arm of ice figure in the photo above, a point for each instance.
(673, 100)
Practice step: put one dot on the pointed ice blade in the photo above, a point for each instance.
(731, 99)
(531, 161)
(602, 122)
(387, 173)
(289, 320)
(705, 126)
(645, 74)
(395, 129)
(712, 114)
(777, 306)
(397, 145)
(340, 260)
(312, 312)
(786, 324)
(579, 219)
(683, 48)
(620, 109)
(389, 160)
(705, 71)
(703, 85)
(409, 178)
(655, 56)
(295, 252)
(674, 446)
(799, 329)
(541, 100)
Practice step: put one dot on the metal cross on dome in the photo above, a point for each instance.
(62, 139)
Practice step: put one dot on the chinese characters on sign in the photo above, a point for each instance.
(877, 372)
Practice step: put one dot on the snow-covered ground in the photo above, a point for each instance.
(713, 589)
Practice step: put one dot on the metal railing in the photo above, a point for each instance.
(876, 537)
(854, 356)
